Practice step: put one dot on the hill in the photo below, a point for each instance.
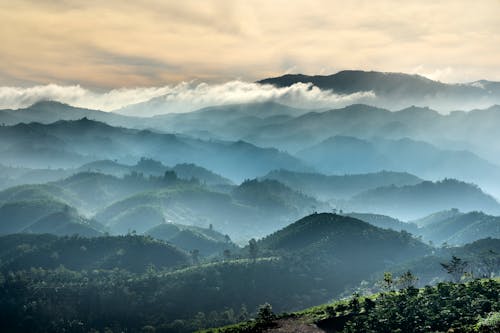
(339, 236)
(132, 253)
(70, 144)
(206, 240)
(254, 208)
(404, 311)
(340, 155)
(414, 201)
(205, 294)
(463, 228)
(395, 90)
(385, 222)
(326, 187)
(47, 112)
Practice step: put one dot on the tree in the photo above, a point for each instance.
(253, 248)
(195, 256)
(407, 280)
(265, 313)
(456, 267)
(387, 282)
(170, 176)
(227, 254)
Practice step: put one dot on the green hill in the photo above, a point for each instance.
(414, 201)
(132, 253)
(462, 228)
(206, 240)
(340, 186)
(331, 236)
(385, 222)
(432, 309)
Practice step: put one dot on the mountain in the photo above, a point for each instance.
(340, 155)
(252, 209)
(66, 222)
(339, 236)
(132, 253)
(72, 143)
(47, 112)
(326, 187)
(385, 222)
(150, 167)
(462, 228)
(275, 197)
(398, 90)
(189, 238)
(414, 201)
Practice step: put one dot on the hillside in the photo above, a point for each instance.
(207, 241)
(69, 144)
(462, 228)
(339, 236)
(414, 201)
(386, 222)
(326, 187)
(132, 253)
(404, 311)
(252, 209)
(203, 295)
(394, 90)
(342, 154)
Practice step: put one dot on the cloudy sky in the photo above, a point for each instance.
(118, 43)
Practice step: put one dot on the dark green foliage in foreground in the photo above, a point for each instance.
(447, 307)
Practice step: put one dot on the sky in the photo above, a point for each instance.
(118, 43)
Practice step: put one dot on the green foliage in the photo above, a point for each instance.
(447, 307)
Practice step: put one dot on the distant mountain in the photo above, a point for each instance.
(437, 217)
(66, 222)
(399, 90)
(72, 143)
(275, 197)
(132, 253)
(45, 216)
(154, 168)
(414, 201)
(340, 155)
(461, 228)
(385, 222)
(340, 187)
(206, 240)
(252, 209)
(47, 112)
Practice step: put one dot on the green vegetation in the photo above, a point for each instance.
(447, 307)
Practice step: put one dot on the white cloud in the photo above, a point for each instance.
(183, 97)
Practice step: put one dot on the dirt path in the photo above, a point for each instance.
(292, 325)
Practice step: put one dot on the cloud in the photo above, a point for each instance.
(107, 44)
(183, 97)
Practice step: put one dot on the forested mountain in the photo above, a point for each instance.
(69, 144)
(462, 228)
(207, 241)
(132, 253)
(340, 187)
(396, 90)
(414, 201)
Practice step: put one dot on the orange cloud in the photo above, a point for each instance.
(116, 43)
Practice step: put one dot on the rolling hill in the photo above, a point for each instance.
(414, 201)
(340, 186)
